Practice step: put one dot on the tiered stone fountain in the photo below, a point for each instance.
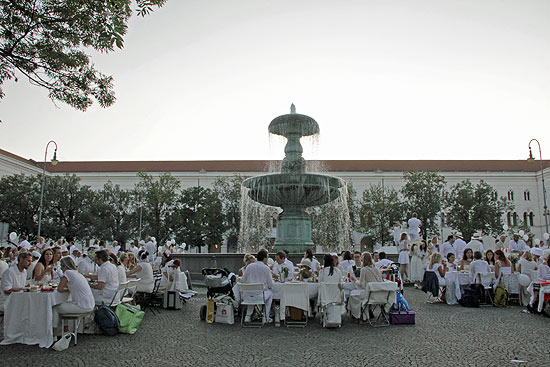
(293, 189)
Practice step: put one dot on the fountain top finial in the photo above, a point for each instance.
(292, 109)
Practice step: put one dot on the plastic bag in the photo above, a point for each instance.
(130, 318)
(63, 343)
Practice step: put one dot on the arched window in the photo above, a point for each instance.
(509, 219)
(510, 195)
(514, 219)
(525, 217)
(526, 195)
(531, 218)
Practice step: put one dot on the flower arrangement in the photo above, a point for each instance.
(284, 273)
(305, 273)
(513, 259)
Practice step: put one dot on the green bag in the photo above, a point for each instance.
(130, 318)
(501, 296)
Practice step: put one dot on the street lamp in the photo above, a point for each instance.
(54, 162)
(531, 159)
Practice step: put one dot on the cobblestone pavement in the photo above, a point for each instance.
(444, 336)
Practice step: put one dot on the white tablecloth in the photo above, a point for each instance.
(313, 290)
(453, 280)
(28, 317)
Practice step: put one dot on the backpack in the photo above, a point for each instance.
(501, 296)
(107, 320)
(469, 298)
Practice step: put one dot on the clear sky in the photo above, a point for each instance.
(385, 79)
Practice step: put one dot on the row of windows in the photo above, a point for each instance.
(511, 219)
(526, 195)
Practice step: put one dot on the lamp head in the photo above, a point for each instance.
(54, 160)
(530, 159)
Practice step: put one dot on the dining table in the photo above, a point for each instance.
(28, 317)
(454, 280)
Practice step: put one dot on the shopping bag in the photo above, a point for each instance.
(130, 318)
(63, 343)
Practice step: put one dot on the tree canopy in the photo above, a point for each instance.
(45, 41)
(380, 207)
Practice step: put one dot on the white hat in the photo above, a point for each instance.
(333, 254)
(536, 251)
(141, 242)
(458, 234)
(35, 253)
(182, 245)
(306, 262)
(64, 248)
(73, 249)
(476, 236)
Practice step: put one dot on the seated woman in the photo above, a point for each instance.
(131, 261)
(247, 259)
(544, 270)
(369, 273)
(347, 263)
(330, 273)
(43, 271)
(526, 263)
(82, 299)
(451, 262)
(119, 267)
(490, 258)
(315, 265)
(438, 267)
(143, 271)
(467, 259)
(502, 265)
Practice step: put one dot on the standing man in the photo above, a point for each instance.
(518, 245)
(15, 278)
(459, 246)
(501, 243)
(151, 249)
(414, 227)
(447, 247)
(259, 272)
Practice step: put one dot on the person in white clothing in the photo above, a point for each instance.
(15, 278)
(144, 272)
(151, 249)
(475, 243)
(82, 299)
(35, 257)
(459, 245)
(43, 271)
(544, 271)
(501, 243)
(414, 227)
(41, 243)
(116, 247)
(478, 266)
(447, 247)
(107, 279)
(134, 248)
(518, 245)
(87, 265)
(259, 272)
(383, 262)
(315, 265)
(280, 262)
(526, 263)
(396, 232)
(24, 243)
(3, 267)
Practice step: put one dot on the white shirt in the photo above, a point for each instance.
(544, 273)
(527, 265)
(348, 267)
(258, 272)
(447, 248)
(459, 246)
(383, 263)
(3, 267)
(151, 249)
(147, 281)
(476, 245)
(85, 266)
(25, 244)
(276, 269)
(81, 294)
(396, 234)
(12, 278)
(116, 249)
(414, 225)
(134, 249)
(108, 274)
(121, 273)
(518, 246)
(478, 267)
(336, 276)
(30, 270)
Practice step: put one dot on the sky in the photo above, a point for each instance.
(392, 79)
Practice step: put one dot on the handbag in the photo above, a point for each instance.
(63, 343)
(130, 318)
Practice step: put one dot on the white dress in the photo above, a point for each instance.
(403, 255)
(416, 268)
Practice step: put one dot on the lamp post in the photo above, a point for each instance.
(531, 159)
(54, 162)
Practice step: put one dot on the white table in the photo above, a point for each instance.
(28, 317)
(313, 289)
(453, 280)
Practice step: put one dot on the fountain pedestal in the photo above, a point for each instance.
(293, 231)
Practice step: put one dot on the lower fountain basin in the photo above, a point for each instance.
(294, 189)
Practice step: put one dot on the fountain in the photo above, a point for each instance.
(293, 190)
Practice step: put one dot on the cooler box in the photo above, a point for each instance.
(402, 317)
(171, 300)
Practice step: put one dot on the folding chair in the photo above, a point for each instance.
(153, 300)
(487, 281)
(294, 295)
(130, 291)
(252, 295)
(331, 301)
(378, 295)
(511, 283)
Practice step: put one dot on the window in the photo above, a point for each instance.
(510, 195)
(531, 218)
(525, 217)
(514, 219)
(509, 219)
(526, 195)
(495, 195)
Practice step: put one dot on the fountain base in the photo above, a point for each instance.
(293, 233)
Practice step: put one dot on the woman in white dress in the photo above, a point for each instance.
(403, 257)
(502, 265)
(417, 268)
(43, 271)
(526, 265)
(315, 265)
(143, 271)
(82, 299)
(433, 247)
(119, 267)
(439, 267)
(396, 232)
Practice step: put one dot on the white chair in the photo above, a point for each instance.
(119, 295)
(331, 301)
(128, 297)
(378, 295)
(252, 295)
(294, 295)
(511, 284)
(487, 280)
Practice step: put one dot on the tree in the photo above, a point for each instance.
(380, 207)
(424, 194)
(20, 203)
(44, 41)
(229, 190)
(114, 213)
(68, 208)
(201, 217)
(159, 200)
(476, 208)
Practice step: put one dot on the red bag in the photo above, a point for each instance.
(402, 317)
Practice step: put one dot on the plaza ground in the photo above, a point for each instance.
(443, 336)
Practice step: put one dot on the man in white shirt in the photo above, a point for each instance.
(24, 243)
(107, 280)
(259, 272)
(151, 249)
(75, 254)
(475, 244)
(280, 261)
(15, 278)
(518, 245)
(501, 243)
(414, 227)
(448, 247)
(35, 257)
(478, 266)
(116, 248)
(383, 262)
(459, 246)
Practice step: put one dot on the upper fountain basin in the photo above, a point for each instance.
(294, 124)
(288, 189)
